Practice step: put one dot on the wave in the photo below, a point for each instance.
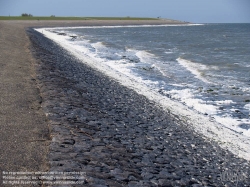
(195, 68)
(144, 56)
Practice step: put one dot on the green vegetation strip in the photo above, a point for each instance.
(71, 18)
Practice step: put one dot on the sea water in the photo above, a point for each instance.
(205, 67)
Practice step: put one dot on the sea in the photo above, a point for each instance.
(204, 67)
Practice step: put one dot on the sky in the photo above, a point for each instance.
(196, 11)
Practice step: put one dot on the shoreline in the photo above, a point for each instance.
(115, 135)
(104, 125)
(211, 130)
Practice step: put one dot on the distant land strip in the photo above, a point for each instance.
(72, 18)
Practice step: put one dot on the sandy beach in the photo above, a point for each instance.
(58, 114)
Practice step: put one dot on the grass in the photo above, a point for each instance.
(71, 18)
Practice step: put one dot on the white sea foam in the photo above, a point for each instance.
(177, 85)
(186, 96)
(224, 102)
(227, 138)
(245, 89)
(234, 124)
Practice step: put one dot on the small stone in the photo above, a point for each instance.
(134, 184)
(147, 176)
(69, 141)
(164, 182)
(132, 178)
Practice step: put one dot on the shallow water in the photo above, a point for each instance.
(206, 67)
